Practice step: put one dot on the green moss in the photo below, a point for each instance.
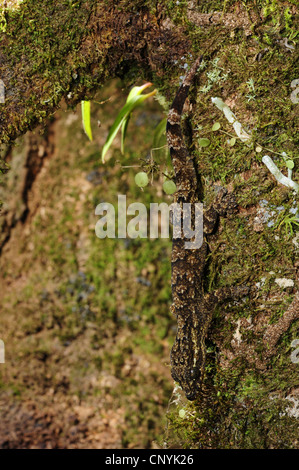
(240, 411)
(243, 406)
(256, 420)
(46, 36)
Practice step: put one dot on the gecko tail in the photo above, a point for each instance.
(182, 93)
(183, 165)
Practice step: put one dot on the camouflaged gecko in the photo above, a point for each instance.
(192, 306)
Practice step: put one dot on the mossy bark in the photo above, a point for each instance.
(52, 51)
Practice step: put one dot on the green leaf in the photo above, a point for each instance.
(141, 179)
(135, 91)
(159, 131)
(290, 164)
(169, 187)
(216, 126)
(124, 127)
(85, 106)
(203, 142)
(132, 102)
(232, 141)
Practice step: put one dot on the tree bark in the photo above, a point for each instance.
(66, 50)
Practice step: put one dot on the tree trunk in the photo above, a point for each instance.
(53, 51)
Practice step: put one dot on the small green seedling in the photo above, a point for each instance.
(159, 132)
(141, 179)
(169, 187)
(203, 142)
(85, 107)
(290, 223)
(216, 126)
(134, 99)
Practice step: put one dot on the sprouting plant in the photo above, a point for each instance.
(289, 222)
(251, 95)
(57, 89)
(85, 106)
(150, 167)
(134, 99)
(215, 75)
(289, 164)
(121, 122)
(159, 132)
(250, 84)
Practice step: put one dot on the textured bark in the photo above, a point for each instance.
(65, 50)
(75, 51)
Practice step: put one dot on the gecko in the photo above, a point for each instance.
(192, 306)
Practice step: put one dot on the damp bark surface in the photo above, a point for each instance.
(55, 54)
